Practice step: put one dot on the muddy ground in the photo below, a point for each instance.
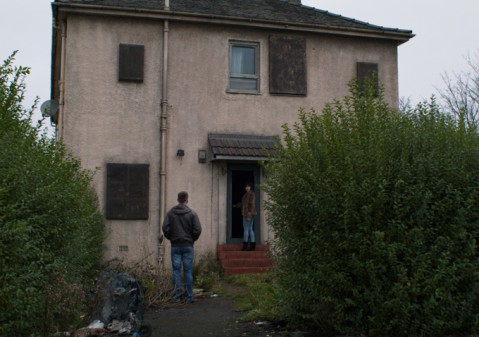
(210, 315)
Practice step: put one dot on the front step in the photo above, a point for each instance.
(235, 261)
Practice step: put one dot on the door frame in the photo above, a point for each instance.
(251, 167)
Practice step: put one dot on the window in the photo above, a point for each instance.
(244, 67)
(131, 62)
(287, 65)
(368, 72)
(127, 191)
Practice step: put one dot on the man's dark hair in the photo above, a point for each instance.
(182, 197)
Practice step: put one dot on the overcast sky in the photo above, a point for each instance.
(446, 32)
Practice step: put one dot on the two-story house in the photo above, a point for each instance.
(159, 96)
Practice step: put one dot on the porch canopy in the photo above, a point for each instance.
(238, 147)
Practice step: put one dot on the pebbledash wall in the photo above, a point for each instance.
(104, 120)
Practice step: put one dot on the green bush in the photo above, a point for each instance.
(375, 214)
(206, 272)
(51, 231)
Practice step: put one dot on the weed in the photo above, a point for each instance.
(258, 299)
(206, 272)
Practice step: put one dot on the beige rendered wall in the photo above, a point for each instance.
(108, 121)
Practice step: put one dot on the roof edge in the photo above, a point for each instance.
(386, 33)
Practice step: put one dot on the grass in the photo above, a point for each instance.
(254, 294)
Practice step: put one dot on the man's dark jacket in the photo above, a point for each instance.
(182, 226)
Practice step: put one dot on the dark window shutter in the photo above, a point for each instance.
(131, 63)
(287, 65)
(127, 191)
(367, 71)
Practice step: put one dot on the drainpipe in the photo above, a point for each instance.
(61, 81)
(163, 127)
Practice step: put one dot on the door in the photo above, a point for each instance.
(238, 177)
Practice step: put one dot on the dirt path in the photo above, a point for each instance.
(208, 316)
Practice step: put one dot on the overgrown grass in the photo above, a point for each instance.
(256, 297)
(206, 272)
(157, 283)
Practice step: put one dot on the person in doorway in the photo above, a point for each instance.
(182, 227)
(248, 212)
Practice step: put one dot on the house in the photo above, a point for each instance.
(159, 96)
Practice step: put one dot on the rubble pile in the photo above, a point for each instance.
(117, 308)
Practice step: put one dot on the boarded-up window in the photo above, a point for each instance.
(287, 65)
(127, 191)
(368, 72)
(131, 62)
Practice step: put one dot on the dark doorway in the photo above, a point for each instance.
(238, 176)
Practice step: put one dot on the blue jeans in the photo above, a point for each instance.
(248, 230)
(182, 256)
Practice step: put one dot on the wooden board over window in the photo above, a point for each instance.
(368, 71)
(131, 62)
(287, 65)
(127, 191)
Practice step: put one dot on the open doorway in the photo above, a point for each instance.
(238, 176)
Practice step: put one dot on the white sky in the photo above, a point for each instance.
(446, 32)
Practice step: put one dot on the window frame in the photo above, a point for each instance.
(255, 76)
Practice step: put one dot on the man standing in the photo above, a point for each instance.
(182, 227)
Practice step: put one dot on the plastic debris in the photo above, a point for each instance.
(117, 307)
(97, 324)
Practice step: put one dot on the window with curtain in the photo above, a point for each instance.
(244, 67)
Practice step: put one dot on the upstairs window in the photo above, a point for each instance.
(131, 63)
(244, 67)
(287, 65)
(368, 72)
(127, 191)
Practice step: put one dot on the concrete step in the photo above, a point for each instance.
(237, 247)
(245, 270)
(235, 261)
(231, 254)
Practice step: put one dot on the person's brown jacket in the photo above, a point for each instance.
(247, 205)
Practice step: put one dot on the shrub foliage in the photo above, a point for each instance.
(51, 231)
(376, 220)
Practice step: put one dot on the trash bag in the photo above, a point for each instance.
(117, 297)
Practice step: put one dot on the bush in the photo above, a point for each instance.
(206, 272)
(375, 214)
(51, 230)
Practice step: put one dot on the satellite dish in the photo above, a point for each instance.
(49, 108)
